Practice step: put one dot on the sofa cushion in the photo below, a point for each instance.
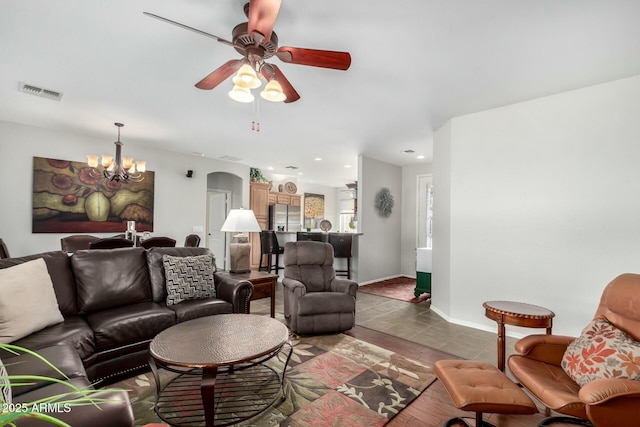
(189, 278)
(59, 267)
(122, 326)
(63, 357)
(156, 267)
(110, 278)
(73, 331)
(28, 301)
(602, 351)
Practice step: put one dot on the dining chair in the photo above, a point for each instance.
(164, 242)
(77, 242)
(192, 241)
(111, 243)
(4, 251)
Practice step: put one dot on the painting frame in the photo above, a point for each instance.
(72, 197)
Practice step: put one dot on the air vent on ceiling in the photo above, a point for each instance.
(230, 158)
(292, 167)
(42, 92)
(409, 151)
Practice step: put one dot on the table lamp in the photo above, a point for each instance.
(241, 221)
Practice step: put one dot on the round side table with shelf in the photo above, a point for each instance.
(516, 314)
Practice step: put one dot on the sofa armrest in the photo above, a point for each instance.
(544, 348)
(293, 290)
(236, 291)
(345, 286)
(611, 401)
(293, 285)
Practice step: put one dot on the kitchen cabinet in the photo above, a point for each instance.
(284, 199)
(259, 204)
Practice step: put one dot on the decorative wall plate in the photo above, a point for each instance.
(290, 188)
(325, 225)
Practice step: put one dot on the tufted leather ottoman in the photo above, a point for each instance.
(481, 387)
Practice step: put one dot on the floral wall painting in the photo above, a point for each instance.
(71, 197)
(313, 209)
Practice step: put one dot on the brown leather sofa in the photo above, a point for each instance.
(605, 402)
(113, 304)
(112, 407)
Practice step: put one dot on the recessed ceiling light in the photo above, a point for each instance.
(317, 159)
(347, 166)
(270, 168)
(420, 156)
(300, 173)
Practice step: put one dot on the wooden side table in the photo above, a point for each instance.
(516, 314)
(264, 285)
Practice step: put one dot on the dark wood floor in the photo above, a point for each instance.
(434, 407)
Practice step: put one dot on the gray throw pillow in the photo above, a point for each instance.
(188, 278)
(5, 386)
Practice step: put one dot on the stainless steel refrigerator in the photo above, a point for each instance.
(284, 218)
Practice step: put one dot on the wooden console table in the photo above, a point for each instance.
(264, 285)
(516, 314)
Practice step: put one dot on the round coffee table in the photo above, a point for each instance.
(516, 314)
(224, 367)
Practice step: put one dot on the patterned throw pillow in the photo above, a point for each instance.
(602, 351)
(5, 386)
(188, 278)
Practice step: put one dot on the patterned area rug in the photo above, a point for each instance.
(400, 288)
(332, 380)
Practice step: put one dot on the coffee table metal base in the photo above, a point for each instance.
(231, 394)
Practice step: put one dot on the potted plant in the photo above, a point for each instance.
(10, 412)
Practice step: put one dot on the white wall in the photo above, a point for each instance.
(544, 200)
(409, 222)
(180, 202)
(379, 245)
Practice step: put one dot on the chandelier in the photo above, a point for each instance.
(120, 169)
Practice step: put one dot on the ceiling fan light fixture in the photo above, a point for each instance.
(247, 77)
(241, 94)
(273, 92)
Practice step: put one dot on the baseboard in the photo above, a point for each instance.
(368, 282)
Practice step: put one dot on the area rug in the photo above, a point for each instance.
(332, 380)
(400, 288)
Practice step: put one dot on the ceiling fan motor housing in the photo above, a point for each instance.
(247, 43)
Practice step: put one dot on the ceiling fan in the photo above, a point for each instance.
(256, 41)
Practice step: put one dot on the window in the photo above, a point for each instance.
(425, 211)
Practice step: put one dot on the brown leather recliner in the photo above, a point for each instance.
(315, 301)
(608, 402)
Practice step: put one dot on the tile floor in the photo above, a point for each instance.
(413, 322)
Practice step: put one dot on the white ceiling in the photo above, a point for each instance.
(415, 64)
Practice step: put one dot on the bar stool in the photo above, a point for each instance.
(316, 237)
(269, 246)
(341, 243)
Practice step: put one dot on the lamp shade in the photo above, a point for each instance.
(273, 92)
(240, 94)
(241, 221)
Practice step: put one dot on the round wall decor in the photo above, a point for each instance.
(384, 202)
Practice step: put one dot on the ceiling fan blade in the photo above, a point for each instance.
(262, 17)
(195, 30)
(315, 58)
(287, 88)
(219, 75)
